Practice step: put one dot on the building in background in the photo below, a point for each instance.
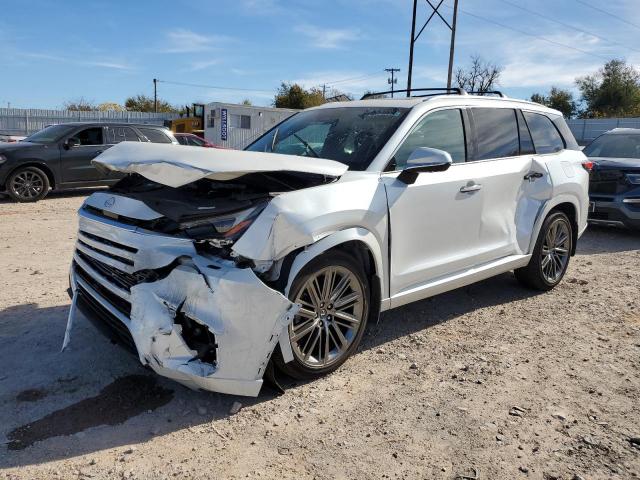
(236, 126)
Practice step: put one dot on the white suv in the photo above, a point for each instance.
(215, 264)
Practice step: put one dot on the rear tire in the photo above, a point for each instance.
(335, 296)
(551, 254)
(28, 184)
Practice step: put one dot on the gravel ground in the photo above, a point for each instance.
(491, 381)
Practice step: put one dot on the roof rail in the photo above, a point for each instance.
(437, 91)
(489, 92)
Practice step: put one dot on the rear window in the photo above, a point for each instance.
(546, 137)
(496, 133)
(121, 134)
(614, 146)
(155, 136)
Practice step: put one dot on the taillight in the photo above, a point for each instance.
(588, 165)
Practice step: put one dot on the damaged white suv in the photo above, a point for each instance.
(211, 264)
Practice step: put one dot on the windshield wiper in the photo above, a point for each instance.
(306, 144)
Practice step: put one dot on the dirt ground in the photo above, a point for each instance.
(491, 381)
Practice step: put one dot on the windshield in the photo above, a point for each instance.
(350, 135)
(614, 146)
(49, 134)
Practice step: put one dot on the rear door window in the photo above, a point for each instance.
(443, 130)
(154, 135)
(526, 142)
(546, 137)
(496, 131)
(121, 134)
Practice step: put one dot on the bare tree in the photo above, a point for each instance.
(479, 77)
(80, 105)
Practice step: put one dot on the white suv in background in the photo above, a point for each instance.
(215, 264)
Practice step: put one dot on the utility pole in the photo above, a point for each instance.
(392, 81)
(155, 95)
(453, 42)
(324, 91)
(414, 36)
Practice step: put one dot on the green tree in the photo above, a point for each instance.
(80, 105)
(613, 91)
(143, 103)
(246, 102)
(294, 96)
(558, 99)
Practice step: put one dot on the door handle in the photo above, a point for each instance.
(470, 188)
(531, 176)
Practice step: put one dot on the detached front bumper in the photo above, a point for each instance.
(199, 320)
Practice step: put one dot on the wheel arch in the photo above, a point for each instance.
(35, 163)
(570, 207)
(366, 248)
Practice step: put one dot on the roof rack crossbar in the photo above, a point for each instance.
(444, 90)
(488, 92)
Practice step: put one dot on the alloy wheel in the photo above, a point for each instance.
(333, 306)
(555, 251)
(27, 184)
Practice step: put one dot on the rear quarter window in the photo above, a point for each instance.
(546, 137)
(155, 136)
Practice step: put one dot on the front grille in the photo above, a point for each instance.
(104, 320)
(119, 278)
(119, 303)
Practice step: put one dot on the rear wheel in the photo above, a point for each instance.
(333, 291)
(551, 254)
(28, 184)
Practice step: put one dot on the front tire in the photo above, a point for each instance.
(28, 184)
(335, 296)
(550, 258)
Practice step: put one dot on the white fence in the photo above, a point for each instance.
(587, 129)
(20, 121)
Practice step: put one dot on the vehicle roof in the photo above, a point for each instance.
(626, 131)
(443, 100)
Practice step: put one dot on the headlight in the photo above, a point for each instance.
(2, 159)
(633, 178)
(223, 230)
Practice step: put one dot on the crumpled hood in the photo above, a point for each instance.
(178, 165)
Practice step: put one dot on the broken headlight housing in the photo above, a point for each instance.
(633, 178)
(223, 231)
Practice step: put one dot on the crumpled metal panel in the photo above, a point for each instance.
(177, 165)
(245, 315)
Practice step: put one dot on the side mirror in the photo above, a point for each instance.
(71, 142)
(424, 159)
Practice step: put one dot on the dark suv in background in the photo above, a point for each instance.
(59, 157)
(614, 187)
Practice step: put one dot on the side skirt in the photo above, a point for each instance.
(459, 279)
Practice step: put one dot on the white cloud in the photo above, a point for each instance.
(203, 64)
(186, 41)
(327, 37)
(76, 61)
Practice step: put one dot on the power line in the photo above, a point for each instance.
(609, 13)
(196, 85)
(539, 37)
(566, 25)
(353, 79)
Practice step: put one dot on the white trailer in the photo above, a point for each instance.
(236, 126)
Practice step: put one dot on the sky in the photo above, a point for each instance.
(52, 52)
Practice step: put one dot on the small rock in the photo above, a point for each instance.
(413, 366)
(524, 469)
(500, 438)
(402, 356)
(129, 450)
(577, 477)
(551, 476)
(560, 416)
(235, 408)
(380, 351)
(589, 440)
